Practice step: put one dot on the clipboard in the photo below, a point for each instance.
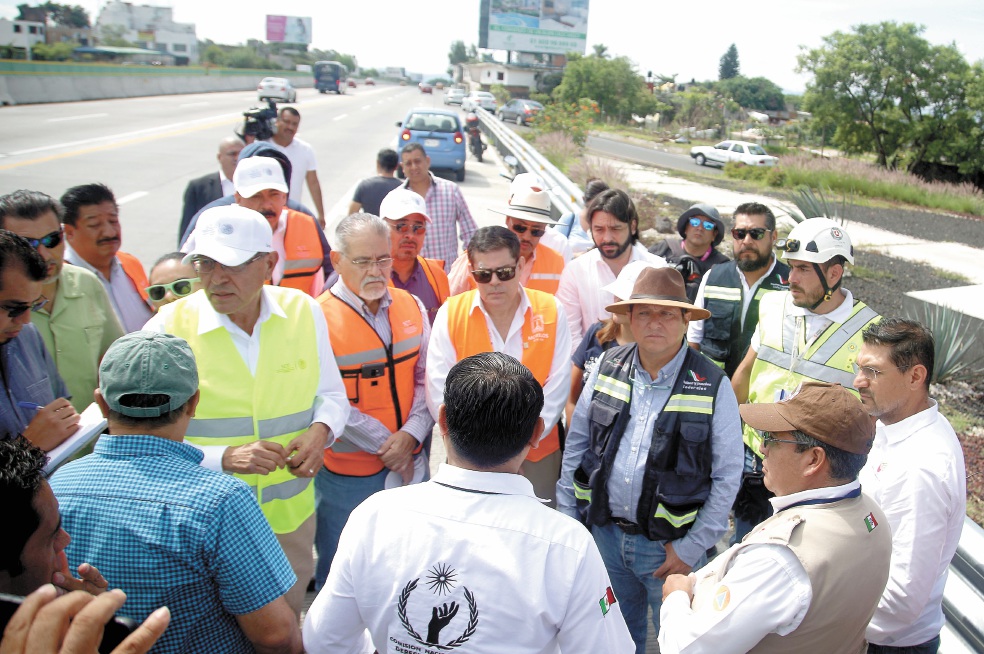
(91, 425)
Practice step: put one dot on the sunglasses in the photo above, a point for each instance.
(21, 309)
(757, 233)
(768, 440)
(180, 288)
(205, 266)
(697, 222)
(870, 373)
(403, 228)
(535, 232)
(484, 276)
(50, 241)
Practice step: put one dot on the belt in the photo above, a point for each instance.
(631, 528)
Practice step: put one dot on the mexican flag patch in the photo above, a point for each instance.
(607, 601)
(870, 522)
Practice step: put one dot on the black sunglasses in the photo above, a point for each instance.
(50, 241)
(536, 232)
(21, 309)
(403, 228)
(757, 233)
(180, 288)
(484, 276)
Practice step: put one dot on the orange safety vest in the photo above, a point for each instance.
(303, 253)
(548, 265)
(436, 277)
(135, 271)
(379, 379)
(470, 335)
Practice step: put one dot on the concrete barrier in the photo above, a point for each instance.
(35, 89)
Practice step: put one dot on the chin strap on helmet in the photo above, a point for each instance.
(828, 291)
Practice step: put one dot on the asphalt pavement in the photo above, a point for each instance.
(648, 155)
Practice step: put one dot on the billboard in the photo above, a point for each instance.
(288, 29)
(547, 26)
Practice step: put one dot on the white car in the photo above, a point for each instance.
(475, 99)
(276, 88)
(454, 96)
(750, 154)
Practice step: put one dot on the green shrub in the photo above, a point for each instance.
(573, 119)
(775, 176)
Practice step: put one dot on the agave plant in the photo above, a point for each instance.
(813, 203)
(959, 355)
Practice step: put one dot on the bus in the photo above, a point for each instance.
(330, 76)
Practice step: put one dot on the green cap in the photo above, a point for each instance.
(148, 363)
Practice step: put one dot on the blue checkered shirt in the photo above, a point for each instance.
(171, 533)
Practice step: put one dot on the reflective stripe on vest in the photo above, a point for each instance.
(303, 252)
(613, 387)
(379, 380)
(470, 335)
(722, 293)
(690, 404)
(828, 359)
(677, 520)
(276, 405)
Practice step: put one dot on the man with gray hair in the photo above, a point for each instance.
(379, 335)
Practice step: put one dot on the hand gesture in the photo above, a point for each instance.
(258, 458)
(90, 580)
(440, 617)
(306, 452)
(52, 424)
(673, 565)
(397, 452)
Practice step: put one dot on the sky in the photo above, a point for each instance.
(682, 38)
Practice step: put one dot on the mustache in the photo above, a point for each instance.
(103, 241)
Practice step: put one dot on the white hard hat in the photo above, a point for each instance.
(817, 240)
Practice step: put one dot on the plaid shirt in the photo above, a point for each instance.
(171, 533)
(449, 212)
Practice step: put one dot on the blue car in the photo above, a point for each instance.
(439, 131)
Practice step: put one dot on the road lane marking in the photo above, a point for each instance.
(131, 197)
(61, 120)
(340, 117)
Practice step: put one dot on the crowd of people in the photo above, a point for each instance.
(607, 412)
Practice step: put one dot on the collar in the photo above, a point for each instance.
(638, 250)
(499, 483)
(74, 258)
(524, 303)
(666, 375)
(209, 320)
(825, 493)
(222, 176)
(904, 429)
(69, 282)
(838, 315)
(704, 256)
(281, 222)
(146, 445)
(741, 274)
(345, 294)
(433, 182)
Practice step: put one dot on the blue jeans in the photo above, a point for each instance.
(631, 562)
(929, 647)
(335, 498)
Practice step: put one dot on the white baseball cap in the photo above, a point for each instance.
(402, 202)
(625, 282)
(255, 174)
(231, 235)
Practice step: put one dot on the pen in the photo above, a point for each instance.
(30, 405)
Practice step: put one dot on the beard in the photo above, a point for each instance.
(621, 248)
(374, 292)
(757, 263)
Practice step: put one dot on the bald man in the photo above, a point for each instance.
(205, 189)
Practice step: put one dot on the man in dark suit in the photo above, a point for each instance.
(205, 189)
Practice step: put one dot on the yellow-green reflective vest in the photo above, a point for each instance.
(784, 360)
(276, 405)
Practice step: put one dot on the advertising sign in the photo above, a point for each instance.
(288, 29)
(548, 26)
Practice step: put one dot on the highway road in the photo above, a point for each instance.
(147, 149)
(647, 155)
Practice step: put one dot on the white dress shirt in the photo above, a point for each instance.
(581, 292)
(228, 188)
(441, 357)
(916, 473)
(695, 331)
(522, 578)
(558, 243)
(331, 405)
(130, 307)
(769, 592)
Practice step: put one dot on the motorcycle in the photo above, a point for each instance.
(475, 143)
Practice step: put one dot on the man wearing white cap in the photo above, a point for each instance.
(272, 399)
(260, 186)
(406, 214)
(528, 215)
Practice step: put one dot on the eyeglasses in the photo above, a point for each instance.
(50, 241)
(21, 309)
(788, 245)
(403, 228)
(697, 222)
(535, 232)
(365, 264)
(206, 266)
(767, 440)
(757, 233)
(484, 275)
(870, 373)
(180, 288)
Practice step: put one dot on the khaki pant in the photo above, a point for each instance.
(544, 475)
(298, 545)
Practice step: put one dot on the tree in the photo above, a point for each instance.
(57, 14)
(729, 66)
(600, 51)
(613, 83)
(756, 93)
(458, 54)
(888, 91)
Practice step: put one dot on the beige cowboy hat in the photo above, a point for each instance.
(662, 287)
(528, 204)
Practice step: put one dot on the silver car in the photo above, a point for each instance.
(454, 96)
(476, 99)
(276, 88)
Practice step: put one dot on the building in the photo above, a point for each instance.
(520, 79)
(151, 27)
(21, 33)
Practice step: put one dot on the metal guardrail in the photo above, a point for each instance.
(963, 597)
(564, 194)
